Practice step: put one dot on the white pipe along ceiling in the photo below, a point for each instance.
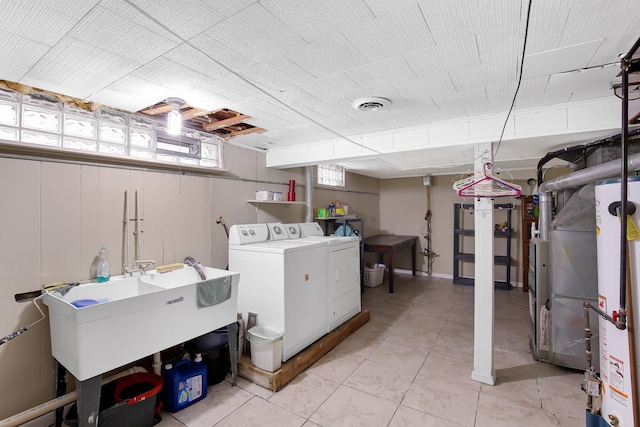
(446, 70)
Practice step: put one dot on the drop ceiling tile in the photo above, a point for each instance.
(37, 22)
(219, 53)
(140, 96)
(546, 26)
(447, 19)
(190, 57)
(186, 18)
(205, 99)
(341, 122)
(596, 79)
(458, 100)
(329, 16)
(451, 19)
(457, 54)
(277, 74)
(501, 44)
(586, 93)
(383, 7)
(531, 92)
(260, 106)
(390, 35)
(169, 74)
(428, 87)
(19, 50)
(332, 54)
(77, 69)
(596, 20)
(257, 34)
(139, 17)
(12, 72)
(107, 30)
(560, 60)
(392, 71)
(611, 49)
(330, 88)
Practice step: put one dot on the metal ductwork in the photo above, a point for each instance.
(308, 175)
(577, 179)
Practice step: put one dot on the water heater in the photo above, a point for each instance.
(615, 360)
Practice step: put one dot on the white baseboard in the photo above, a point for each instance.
(422, 273)
(442, 276)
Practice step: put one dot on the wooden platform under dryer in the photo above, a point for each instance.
(274, 381)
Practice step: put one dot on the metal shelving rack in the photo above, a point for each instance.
(460, 257)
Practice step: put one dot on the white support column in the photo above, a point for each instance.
(484, 281)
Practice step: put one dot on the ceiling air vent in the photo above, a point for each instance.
(371, 104)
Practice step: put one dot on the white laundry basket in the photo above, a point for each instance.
(374, 276)
(266, 347)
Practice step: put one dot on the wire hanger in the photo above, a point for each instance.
(481, 184)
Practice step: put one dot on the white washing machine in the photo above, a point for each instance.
(343, 275)
(282, 281)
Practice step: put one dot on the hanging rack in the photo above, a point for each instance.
(481, 185)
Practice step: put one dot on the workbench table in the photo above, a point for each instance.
(389, 244)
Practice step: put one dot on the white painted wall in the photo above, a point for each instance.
(55, 216)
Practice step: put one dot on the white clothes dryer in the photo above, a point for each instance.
(343, 275)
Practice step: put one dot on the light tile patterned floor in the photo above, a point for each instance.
(410, 365)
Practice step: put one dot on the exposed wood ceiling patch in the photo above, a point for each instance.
(225, 123)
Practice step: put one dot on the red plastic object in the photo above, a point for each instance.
(133, 383)
(615, 316)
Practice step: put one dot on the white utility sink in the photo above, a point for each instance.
(134, 317)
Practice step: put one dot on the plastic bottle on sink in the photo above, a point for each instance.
(104, 268)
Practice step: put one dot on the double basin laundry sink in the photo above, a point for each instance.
(98, 327)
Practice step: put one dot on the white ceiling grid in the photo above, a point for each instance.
(186, 18)
(121, 36)
(126, 9)
(19, 51)
(73, 8)
(313, 20)
(219, 52)
(97, 69)
(256, 33)
(457, 54)
(296, 67)
(394, 71)
(547, 25)
(328, 56)
(591, 20)
(35, 22)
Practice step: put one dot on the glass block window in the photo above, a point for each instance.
(42, 120)
(331, 175)
(9, 113)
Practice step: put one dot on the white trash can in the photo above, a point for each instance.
(266, 347)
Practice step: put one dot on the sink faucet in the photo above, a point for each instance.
(140, 266)
(192, 263)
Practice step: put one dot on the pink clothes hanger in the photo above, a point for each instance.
(482, 185)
